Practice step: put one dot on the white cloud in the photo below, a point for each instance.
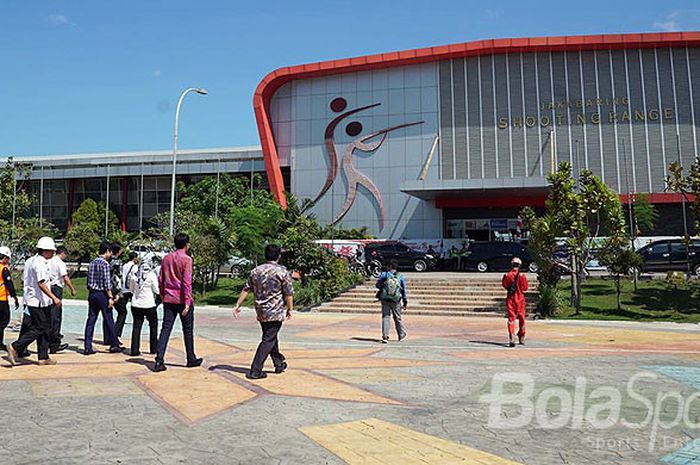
(679, 20)
(58, 20)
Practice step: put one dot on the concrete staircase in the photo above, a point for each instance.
(440, 294)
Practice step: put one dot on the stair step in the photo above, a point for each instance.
(459, 313)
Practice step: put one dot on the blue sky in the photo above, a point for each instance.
(87, 75)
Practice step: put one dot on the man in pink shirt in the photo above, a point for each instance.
(175, 281)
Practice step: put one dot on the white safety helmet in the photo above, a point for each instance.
(516, 261)
(46, 243)
(5, 251)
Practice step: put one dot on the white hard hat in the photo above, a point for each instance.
(46, 243)
(516, 261)
(5, 251)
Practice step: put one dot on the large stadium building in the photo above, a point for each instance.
(441, 142)
(453, 141)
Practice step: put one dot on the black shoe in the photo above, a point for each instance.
(401, 338)
(89, 352)
(24, 354)
(511, 344)
(521, 341)
(385, 341)
(116, 350)
(159, 366)
(258, 375)
(195, 363)
(135, 353)
(281, 369)
(59, 348)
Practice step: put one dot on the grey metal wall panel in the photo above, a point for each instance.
(560, 112)
(654, 125)
(488, 117)
(667, 107)
(593, 131)
(531, 110)
(606, 125)
(446, 122)
(473, 118)
(625, 158)
(694, 60)
(576, 108)
(639, 132)
(683, 104)
(502, 110)
(517, 116)
(460, 115)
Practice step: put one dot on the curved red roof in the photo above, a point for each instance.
(273, 81)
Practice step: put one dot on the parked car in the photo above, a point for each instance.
(408, 258)
(671, 255)
(236, 266)
(497, 255)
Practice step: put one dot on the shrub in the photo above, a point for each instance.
(547, 302)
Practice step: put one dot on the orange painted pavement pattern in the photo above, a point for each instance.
(197, 393)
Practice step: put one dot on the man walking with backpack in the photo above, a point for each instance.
(392, 293)
(516, 284)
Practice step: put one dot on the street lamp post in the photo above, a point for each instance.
(177, 122)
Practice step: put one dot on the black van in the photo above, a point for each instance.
(497, 255)
(671, 255)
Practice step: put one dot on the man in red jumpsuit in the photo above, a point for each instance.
(516, 284)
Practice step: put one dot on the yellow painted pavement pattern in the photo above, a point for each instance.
(197, 393)
(593, 335)
(301, 383)
(203, 347)
(376, 442)
(63, 371)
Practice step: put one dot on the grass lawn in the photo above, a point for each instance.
(224, 295)
(654, 301)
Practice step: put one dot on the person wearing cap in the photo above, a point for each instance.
(59, 279)
(7, 290)
(39, 299)
(100, 300)
(515, 284)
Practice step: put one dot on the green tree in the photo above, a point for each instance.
(620, 261)
(15, 201)
(687, 183)
(87, 230)
(645, 214)
(578, 211)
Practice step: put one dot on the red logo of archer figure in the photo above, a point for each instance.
(353, 176)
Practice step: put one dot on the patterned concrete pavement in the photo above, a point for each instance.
(576, 393)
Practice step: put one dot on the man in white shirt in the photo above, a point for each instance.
(59, 278)
(39, 299)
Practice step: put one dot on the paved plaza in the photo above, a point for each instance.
(576, 393)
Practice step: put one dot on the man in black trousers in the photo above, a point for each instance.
(101, 300)
(271, 284)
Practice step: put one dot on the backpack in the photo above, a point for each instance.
(391, 288)
(513, 288)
